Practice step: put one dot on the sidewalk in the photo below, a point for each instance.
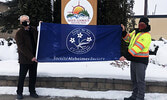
(13, 97)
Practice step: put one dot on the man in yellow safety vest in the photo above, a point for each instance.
(138, 53)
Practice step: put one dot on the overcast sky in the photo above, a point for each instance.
(161, 7)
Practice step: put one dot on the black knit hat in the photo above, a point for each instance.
(145, 20)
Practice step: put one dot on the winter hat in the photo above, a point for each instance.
(145, 20)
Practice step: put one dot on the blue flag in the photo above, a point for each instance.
(78, 43)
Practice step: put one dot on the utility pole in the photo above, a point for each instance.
(52, 8)
(145, 8)
(153, 13)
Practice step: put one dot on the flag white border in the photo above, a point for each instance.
(39, 31)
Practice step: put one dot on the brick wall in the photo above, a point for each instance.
(91, 84)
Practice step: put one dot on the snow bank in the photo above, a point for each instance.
(112, 94)
(155, 71)
(162, 54)
(4, 0)
(8, 52)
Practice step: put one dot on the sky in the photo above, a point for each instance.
(3, 0)
(161, 7)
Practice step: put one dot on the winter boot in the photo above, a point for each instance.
(34, 95)
(19, 96)
(130, 98)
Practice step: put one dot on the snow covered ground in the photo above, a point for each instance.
(156, 71)
(52, 92)
(83, 70)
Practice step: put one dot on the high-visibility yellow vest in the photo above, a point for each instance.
(138, 44)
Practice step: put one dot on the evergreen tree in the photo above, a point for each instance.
(116, 12)
(8, 19)
(110, 12)
(37, 10)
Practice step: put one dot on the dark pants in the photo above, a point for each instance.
(24, 68)
(138, 80)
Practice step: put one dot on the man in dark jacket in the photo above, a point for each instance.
(26, 39)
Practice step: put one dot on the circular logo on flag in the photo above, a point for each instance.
(78, 12)
(80, 41)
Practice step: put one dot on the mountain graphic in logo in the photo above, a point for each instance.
(78, 11)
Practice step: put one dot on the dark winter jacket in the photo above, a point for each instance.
(26, 41)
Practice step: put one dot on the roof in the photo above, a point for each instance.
(151, 16)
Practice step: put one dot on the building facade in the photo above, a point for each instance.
(3, 7)
(158, 25)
